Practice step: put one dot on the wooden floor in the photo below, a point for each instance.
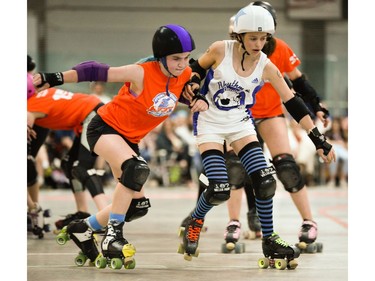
(156, 240)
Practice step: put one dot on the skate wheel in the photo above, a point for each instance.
(62, 238)
(181, 231)
(250, 235)
(292, 264)
(116, 263)
(280, 264)
(128, 250)
(224, 249)
(319, 247)
(188, 257)
(100, 262)
(240, 248)
(80, 259)
(47, 213)
(263, 263)
(181, 249)
(230, 246)
(129, 263)
(302, 245)
(311, 248)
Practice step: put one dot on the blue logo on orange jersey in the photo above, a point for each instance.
(164, 104)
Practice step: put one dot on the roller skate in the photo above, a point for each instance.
(185, 221)
(232, 235)
(68, 219)
(254, 231)
(83, 236)
(278, 254)
(190, 238)
(307, 236)
(36, 221)
(116, 250)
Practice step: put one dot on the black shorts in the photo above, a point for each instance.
(98, 127)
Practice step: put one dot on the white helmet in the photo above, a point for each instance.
(253, 19)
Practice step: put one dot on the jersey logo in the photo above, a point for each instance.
(255, 80)
(164, 104)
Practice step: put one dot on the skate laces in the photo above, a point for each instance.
(278, 240)
(194, 229)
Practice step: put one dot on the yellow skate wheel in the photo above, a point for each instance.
(129, 263)
(292, 264)
(188, 257)
(80, 259)
(263, 263)
(128, 250)
(302, 245)
(181, 249)
(116, 263)
(100, 262)
(280, 264)
(230, 246)
(181, 231)
(196, 254)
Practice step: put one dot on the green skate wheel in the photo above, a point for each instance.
(80, 259)
(240, 248)
(319, 247)
(263, 263)
(280, 264)
(116, 263)
(62, 238)
(311, 248)
(129, 263)
(100, 262)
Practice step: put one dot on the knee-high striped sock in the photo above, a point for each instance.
(253, 160)
(214, 165)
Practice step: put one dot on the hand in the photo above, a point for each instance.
(331, 156)
(31, 134)
(198, 105)
(322, 116)
(189, 89)
(38, 83)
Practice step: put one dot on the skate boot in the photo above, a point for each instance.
(190, 238)
(186, 220)
(36, 221)
(116, 250)
(232, 235)
(68, 219)
(254, 231)
(278, 254)
(307, 236)
(83, 236)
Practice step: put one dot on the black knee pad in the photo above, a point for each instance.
(217, 193)
(87, 178)
(288, 172)
(264, 183)
(32, 174)
(135, 172)
(137, 209)
(236, 172)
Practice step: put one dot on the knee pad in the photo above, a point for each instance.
(135, 172)
(32, 174)
(264, 183)
(217, 193)
(288, 172)
(137, 209)
(66, 166)
(236, 172)
(83, 178)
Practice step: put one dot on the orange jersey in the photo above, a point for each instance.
(65, 110)
(268, 102)
(135, 116)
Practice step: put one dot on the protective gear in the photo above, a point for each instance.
(53, 79)
(253, 19)
(88, 179)
(137, 209)
(92, 71)
(217, 193)
(32, 174)
(30, 86)
(264, 183)
(171, 39)
(288, 172)
(236, 172)
(232, 34)
(30, 64)
(296, 108)
(266, 6)
(320, 141)
(135, 172)
(195, 67)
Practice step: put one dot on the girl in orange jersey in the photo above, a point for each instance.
(149, 95)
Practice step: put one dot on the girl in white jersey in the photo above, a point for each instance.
(237, 69)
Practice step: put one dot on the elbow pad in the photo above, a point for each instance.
(198, 69)
(297, 108)
(92, 71)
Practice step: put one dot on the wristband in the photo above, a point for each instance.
(53, 79)
(320, 141)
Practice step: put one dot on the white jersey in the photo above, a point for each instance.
(230, 96)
